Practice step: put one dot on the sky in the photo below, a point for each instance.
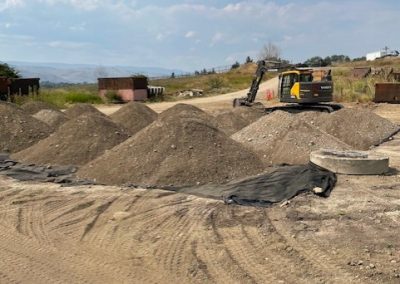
(191, 34)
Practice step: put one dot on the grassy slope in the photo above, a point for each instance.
(212, 84)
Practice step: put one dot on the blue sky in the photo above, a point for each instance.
(191, 34)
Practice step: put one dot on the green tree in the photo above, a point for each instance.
(235, 65)
(8, 71)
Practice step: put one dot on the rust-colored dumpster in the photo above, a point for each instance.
(127, 88)
(361, 72)
(387, 93)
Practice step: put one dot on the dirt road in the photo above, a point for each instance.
(207, 103)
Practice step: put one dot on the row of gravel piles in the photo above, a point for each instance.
(19, 130)
(281, 137)
(182, 147)
(76, 142)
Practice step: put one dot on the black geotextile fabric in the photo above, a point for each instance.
(279, 184)
(263, 190)
(63, 175)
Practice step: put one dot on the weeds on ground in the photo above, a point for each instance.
(61, 97)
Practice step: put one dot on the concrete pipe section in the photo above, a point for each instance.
(351, 162)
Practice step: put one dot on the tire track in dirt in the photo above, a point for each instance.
(99, 211)
(181, 244)
(286, 265)
(311, 252)
(241, 271)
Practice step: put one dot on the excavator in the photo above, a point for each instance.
(297, 87)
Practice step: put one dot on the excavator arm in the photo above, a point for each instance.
(262, 67)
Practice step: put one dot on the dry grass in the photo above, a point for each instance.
(212, 84)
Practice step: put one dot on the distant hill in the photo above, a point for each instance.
(81, 73)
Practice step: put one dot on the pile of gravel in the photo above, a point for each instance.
(229, 122)
(19, 130)
(359, 128)
(249, 114)
(134, 116)
(281, 137)
(180, 148)
(52, 118)
(33, 107)
(76, 142)
(79, 109)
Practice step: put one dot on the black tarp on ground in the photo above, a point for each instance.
(61, 174)
(263, 190)
(276, 185)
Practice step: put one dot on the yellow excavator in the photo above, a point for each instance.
(297, 87)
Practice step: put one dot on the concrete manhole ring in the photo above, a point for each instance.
(350, 162)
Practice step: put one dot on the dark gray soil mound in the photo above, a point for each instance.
(79, 109)
(250, 114)
(52, 118)
(230, 122)
(281, 137)
(76, 142)
(174, 150)
(19, 130)
(33, 107)
(134, 116)
(358, 127)
(188, 111)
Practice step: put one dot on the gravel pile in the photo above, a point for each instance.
(52, 118)
(229, 122)
(180, 148)
(76, 142)
(33, 107)
(134, 116)
(79, 109)
(19, 130)
(281, 137)
(249, 114)
(359, 128)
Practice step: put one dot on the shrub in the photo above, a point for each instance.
(77, 97)
(113, 97)
(215, 83)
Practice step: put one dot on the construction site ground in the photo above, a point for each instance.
(106, 234)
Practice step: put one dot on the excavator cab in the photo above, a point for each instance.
(299, 86)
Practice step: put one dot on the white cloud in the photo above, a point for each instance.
(8, 4)
(217, 37)
(78, 28)
(67, 44)
(190, 34)
(87, 5)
